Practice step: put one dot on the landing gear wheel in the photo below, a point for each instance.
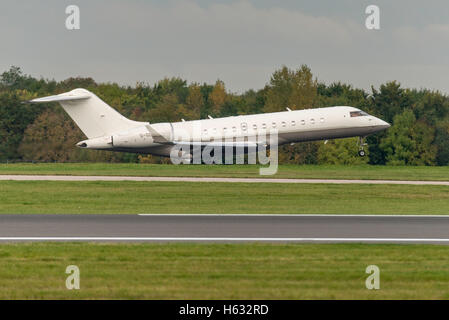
(362, 144)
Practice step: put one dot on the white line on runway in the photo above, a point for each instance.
(290, 215)
(389, 240)
(193, 179)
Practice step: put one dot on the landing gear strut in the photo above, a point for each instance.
(362, 144)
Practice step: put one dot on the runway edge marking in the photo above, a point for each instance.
(215, 179)
(290, 215)
(389, 240)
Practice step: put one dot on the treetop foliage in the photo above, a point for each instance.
(419, 134)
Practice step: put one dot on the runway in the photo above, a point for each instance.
(225, 228)
(193, 179)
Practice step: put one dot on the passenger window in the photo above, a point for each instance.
(225, 129)
(321, 120)
(205, 132)
(273, 125)
(264, 125)
(283, 123)
(234, 129)
(303, 122)
(312, 121)
(255, 126)
(244, 126)
(293, 123)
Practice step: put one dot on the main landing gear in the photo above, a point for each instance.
(362, 144)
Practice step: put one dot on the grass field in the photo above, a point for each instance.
(197, 197)
(223, 271)
(240, 171)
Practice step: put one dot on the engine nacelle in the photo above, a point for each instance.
(132, 140)
(96, 143)
(139, 137)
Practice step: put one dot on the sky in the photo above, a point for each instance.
(239, 42)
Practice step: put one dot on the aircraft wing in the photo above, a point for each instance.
(218, 144)
(159, 138)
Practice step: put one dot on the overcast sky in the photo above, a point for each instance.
(239, 42)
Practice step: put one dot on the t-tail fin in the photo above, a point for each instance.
(93, 116)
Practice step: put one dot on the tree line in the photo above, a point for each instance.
(419, 134)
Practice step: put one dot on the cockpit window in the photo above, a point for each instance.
(357, 114)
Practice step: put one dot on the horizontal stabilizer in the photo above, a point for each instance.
(61, 97)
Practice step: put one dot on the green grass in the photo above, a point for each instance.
(240, 171)
(223, 271)
(194, 197)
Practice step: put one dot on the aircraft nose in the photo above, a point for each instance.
(382, 125)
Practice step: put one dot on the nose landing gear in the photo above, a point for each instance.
(362, 144)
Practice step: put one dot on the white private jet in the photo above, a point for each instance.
(106, 129)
